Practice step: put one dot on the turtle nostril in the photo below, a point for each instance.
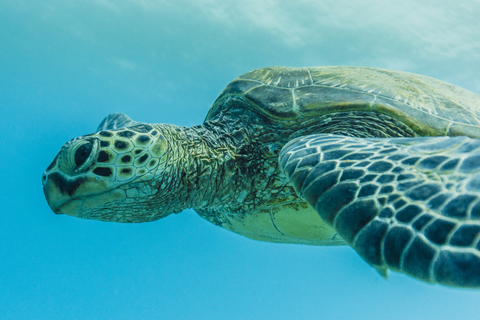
(82, 153)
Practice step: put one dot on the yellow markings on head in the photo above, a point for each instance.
(122, 146)
(106, 156)
(152, 163)
(125, 159)
(132, 153)
(143, 140)
(141, 171)
(158, 148)
(106, 172)
(142, 160)
(125, 173)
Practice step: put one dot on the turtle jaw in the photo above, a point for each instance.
(78, 207)
(88, 197)
(58, 190)
(74, 196)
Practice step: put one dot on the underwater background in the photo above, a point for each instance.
(65, 64)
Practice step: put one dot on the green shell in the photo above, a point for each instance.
(429, 106)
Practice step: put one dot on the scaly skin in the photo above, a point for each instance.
(174, 168)
(227, 169)
(407, 204)
(228, 165)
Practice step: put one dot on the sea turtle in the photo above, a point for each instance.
(387, 162)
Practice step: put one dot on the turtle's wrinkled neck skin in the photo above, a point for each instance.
(217, 162)
(198, 163)
(230, 163)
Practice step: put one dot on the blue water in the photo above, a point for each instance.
(64, 65)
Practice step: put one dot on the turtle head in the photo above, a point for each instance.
(112, 175)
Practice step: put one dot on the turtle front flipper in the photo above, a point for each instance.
(407, 204)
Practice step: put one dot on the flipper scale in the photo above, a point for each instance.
(404, 204)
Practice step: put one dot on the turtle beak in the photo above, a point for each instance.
(55, 198)
(75, 195)
(60, 189)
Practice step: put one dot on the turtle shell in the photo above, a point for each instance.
(281, 94)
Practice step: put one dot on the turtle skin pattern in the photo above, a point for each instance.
(407, 204)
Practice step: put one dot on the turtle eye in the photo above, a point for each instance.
(78, 154)
(82, 153)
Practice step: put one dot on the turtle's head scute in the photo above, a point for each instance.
(108, 175)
